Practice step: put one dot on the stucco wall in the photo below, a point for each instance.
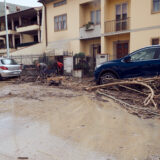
(37, 49)
(72, 11)
(142, 39)
(141, 15)
(78, 14)
(86, 11)
(111, 10)
(85, 45)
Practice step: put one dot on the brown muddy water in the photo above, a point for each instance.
(42, 123)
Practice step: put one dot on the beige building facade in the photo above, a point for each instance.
(112, 27)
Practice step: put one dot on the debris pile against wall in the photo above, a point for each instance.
(139, 96)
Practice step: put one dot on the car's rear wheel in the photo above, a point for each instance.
(106, 77)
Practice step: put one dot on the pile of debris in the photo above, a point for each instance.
(64, 82)
(28, 75)
(139, 96)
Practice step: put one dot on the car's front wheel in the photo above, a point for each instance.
(106, 77)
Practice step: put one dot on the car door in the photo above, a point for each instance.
(156, 62)
(142, 63)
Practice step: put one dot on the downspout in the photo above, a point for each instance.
(46, 30)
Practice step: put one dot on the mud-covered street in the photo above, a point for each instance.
(49, 123)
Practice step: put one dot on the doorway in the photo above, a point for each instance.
(122, 49)
(95, 49)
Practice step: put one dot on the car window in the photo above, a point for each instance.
(157, 54)
(143, 55)
(8, 61)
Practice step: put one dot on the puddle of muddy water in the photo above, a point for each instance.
(71, 128)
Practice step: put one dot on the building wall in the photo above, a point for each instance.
(141, 14)
(78, 14)
(111, 10)
(27, 38)
(37, 49)
(144, 25)
(86, 44)
(72, 11)
(142, 39)
(86, 11)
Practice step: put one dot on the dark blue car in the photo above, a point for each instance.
(144, 62)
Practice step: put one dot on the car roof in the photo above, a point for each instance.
(4, 58)
(152, 46)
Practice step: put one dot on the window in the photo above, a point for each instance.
(96, 17)
(121, 16)
(8, 61)
(60, 3)
(121, 11)
(156, 6)
(93, 17)
(155, 41)
(143, 55)
(60, 22)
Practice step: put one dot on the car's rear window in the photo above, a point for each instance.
(8, 61)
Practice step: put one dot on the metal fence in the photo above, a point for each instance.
(31, 59)
(86, 64)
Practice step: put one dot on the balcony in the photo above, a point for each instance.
(117, 26)
(3, 31)
(27, 27)
(90, 32)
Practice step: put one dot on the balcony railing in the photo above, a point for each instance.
(3, 29)
(117, 25)
(28, 24)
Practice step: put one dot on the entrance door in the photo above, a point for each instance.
(95, 49)
(122, 50)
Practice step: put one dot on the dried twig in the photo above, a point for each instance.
(128, 105)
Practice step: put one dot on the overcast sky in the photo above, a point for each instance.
(30, 3)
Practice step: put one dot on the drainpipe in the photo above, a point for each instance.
(46, 31)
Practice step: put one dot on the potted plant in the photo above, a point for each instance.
(89, 26)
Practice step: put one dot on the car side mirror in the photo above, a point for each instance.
(127, 59)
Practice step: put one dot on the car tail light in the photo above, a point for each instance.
(3, 68)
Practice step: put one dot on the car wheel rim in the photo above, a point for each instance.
(106, 78)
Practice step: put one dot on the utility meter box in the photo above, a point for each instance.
(68, 65)
(101, 58)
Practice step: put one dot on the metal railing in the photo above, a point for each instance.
(117, 25)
